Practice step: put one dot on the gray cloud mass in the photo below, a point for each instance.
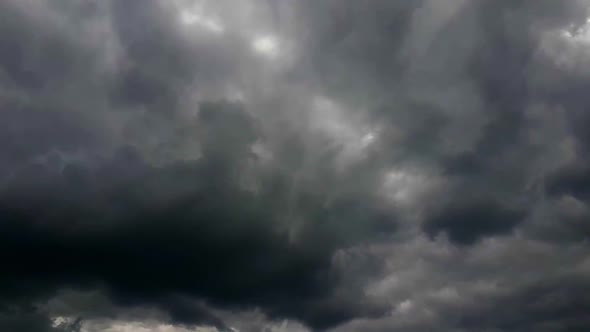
(298, 166)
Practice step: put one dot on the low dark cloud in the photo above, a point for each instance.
(325, 165)
(146, 232)
(32, 322)
(572, 180)
(556, 305)
(470, 222)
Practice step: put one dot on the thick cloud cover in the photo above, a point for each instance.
(275, 165)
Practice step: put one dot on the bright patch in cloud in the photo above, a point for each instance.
(578, 34)
(153, 327)
(402, 186)
(266, 45)
(195, 18)
(404, 307)
(368, 139)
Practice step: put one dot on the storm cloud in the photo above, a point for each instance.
(274, 165)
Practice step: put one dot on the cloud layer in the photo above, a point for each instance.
(274, 165)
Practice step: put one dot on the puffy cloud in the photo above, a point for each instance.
(294, 166)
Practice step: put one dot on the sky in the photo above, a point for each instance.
(294, 165)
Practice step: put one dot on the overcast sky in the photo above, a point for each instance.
(294, 165)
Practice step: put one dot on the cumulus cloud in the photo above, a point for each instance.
(274, 165)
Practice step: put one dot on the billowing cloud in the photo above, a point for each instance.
(274, 165)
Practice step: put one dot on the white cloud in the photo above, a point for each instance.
(197, 19)
(267, 46)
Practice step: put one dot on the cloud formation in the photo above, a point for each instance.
(274, 165)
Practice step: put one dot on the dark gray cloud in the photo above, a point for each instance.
(572, 180)
(33, 322)
(556, 305)
(269, 164)
(145, 232)
(466, 224)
